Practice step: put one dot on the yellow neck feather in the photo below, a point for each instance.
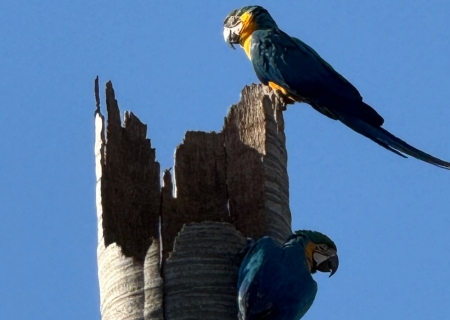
(248, 26)
(309, 251)
(246, 46)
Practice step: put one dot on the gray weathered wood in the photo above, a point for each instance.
(128, 199)
(200, 175)
(257, 180)
(201, 192)
(228, 186)
(200, 275)
(153, 283)
(130, 186)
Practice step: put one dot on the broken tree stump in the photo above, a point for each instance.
(173, 252)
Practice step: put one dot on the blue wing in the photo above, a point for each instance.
(295, 66)
(258, 256)
(274, 283)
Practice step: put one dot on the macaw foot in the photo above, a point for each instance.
(283, 99)
(244, 251)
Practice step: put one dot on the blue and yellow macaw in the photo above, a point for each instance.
(275, 282)
(298, 74)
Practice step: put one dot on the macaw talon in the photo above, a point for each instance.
(250, 242)
(243, 251)
(288, 100)
(282, 99)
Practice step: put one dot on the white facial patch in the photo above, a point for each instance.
(319, 258)
(228, 32)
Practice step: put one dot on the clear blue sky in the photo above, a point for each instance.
(389, 216)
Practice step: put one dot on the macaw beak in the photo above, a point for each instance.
(229, 37)
(329, 265)
(231, 30)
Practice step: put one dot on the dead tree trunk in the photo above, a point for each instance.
(174, 252)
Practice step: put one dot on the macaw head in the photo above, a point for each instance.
(321, 250)
(241, 23)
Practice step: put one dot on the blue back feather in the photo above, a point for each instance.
(275, 282)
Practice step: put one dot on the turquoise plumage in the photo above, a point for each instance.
(297, 73)
(275, 282)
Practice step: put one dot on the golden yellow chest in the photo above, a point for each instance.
(246, 45)
(248, 26)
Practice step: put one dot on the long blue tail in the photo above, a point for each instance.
(387, 140)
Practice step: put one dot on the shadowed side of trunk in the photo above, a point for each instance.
(128, 204)
(225, 186)
(257, 180)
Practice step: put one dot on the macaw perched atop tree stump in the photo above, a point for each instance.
(298, 74)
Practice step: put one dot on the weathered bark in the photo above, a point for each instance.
(201, 274)
(200, 177)
(153, 283)
(258, 184)
(130, 183)
(229, 185)
(128, 204)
